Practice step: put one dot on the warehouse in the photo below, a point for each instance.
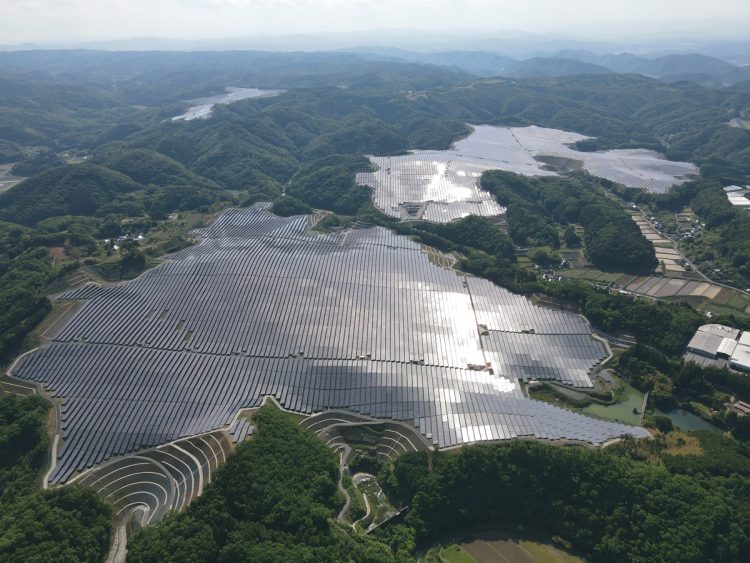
(720, 346)
(740, 359)
(713, 341)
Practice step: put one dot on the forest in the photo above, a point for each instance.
(70, 522)
(606, 505)
(275, 499)
(537, 207)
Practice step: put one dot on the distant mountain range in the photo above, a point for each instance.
(702, 69)
(507, 54)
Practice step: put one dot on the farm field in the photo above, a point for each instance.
(497, 548)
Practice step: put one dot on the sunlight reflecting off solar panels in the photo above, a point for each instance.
(441, 186)
(360, 320)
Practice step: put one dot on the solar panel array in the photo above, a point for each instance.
(434, 186)
(441, 186)
(498, 309)
(641, 169)
(565, 358)
(241, 429)
(359, 321)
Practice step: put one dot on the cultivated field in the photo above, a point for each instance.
(498, 548)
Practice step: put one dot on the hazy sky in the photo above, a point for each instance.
(84, 20)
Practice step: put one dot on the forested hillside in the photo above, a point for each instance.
(606, 505)
(538, 206)
(68, 524)
(274, 500)
(80, 189)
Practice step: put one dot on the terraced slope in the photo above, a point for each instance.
(157, 481)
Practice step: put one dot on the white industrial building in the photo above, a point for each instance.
(738, 196)
(719, 342)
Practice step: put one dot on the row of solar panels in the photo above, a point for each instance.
(448, 185)
(120, 399)
(236, 223)
(566, 358)
(499, 309)
(178, 351)
(438, 212)
(241, 429)
(389, 305)
(282, 317)
(655, 176)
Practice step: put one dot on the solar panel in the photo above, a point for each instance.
(441, 186)
(360, 320)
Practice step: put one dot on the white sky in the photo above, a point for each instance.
(84, 20)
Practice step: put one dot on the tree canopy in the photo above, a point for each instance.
(274, 500)
(68, 523)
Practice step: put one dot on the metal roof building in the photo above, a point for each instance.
(713, 339)
(740, 360)
(727, 347)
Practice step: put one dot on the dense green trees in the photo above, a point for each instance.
(274, 500)
(37, 164)
(67, 524)
(150, 167)
(80, 189)
(721, 456)
(614, 242)
(666, 326)
(286, 206)
(528, 222)
(72, 523)
(537, 206)
(571, 238)
(23, 445)
(732, 225)
(467, 235)
(23, 302)
(607, 506)
(330, 183)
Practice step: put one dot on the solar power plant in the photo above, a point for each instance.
(359, 321)
(441, 186)
(634, 168)
(429, 186)
(202, 108)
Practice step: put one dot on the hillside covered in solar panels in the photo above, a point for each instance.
(382, 349)
(359, 321)
(442, 186)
